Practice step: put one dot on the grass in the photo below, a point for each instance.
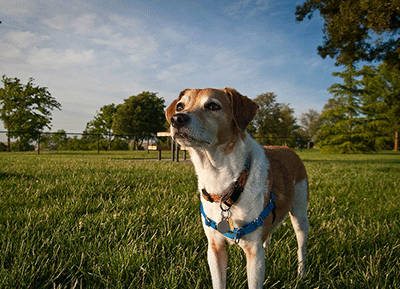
(106, 221)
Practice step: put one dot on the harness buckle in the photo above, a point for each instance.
(259, 221)
(236, 238)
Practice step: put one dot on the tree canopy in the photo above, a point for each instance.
(382, 99)
(274, 121)
(341, 129)
(310, 124)
(25, 109)
(357, 30)
(141, 116)
(102, 122)
(364, 113)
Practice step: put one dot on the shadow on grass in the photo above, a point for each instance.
(4, 176)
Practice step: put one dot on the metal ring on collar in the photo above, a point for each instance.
(226, 214)
(222, 209)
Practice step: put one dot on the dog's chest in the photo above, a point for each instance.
(216, 182)
(252, 199)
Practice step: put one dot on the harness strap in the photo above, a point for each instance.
(238, 233)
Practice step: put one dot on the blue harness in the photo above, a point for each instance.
(238, 233)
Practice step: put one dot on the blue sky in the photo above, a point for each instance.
(93, 53)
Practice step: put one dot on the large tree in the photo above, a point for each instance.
(341, 123)
(274, 122)
(25, 109)
(310, 123)
(382, 101)
(102, 122)
(365, 107)
(141, 116)
(357, 30)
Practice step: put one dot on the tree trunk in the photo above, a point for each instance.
(8, 141)
(396, 141)
(135, 143)
(109, 140)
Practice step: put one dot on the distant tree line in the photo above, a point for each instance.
(363, 115)
(26, 111)
(275, 123)
(140, 117)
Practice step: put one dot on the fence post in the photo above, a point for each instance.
(172, 150)
(177, 152)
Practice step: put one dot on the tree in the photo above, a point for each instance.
(356, 119)
(287, 122)
(141, 116)
(357, 30)
(264, 121)
(25, 109)
(341, 127)
(310, 123)
(382, 101)
(102, 123)
(274, 121)
(59, 139)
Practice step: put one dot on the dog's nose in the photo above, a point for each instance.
(178, 120)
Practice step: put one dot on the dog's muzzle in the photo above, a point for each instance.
(178, 120)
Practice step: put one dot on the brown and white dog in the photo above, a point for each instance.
(246, 190)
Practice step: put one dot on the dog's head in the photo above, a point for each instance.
(207, 117)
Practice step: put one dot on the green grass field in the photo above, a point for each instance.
(82, 220)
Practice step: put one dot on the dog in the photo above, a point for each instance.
(246, 190)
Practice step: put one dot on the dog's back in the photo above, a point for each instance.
(286, 170)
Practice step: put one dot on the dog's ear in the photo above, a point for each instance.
(171, 109)
(244, 109)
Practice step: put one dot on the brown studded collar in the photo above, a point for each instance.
(234, 191)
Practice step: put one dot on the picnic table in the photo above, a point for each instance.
(175, 147)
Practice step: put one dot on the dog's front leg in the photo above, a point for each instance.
(218, 262)
(255, 264)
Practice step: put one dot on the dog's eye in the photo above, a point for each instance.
(212, 106)
(180, 106)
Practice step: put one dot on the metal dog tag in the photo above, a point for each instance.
(223, 226)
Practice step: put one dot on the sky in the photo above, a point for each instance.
(91, 53)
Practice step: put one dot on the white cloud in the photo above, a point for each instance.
(50, 58)
(129, 36)
(246, 8)
(58, 22)
(131, 22)
(178, 71)
(88, 24)
(25, 39)
(9, 51)
(313, 63)
(139, 48)
(16, 7)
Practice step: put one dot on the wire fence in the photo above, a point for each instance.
(63, 141)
